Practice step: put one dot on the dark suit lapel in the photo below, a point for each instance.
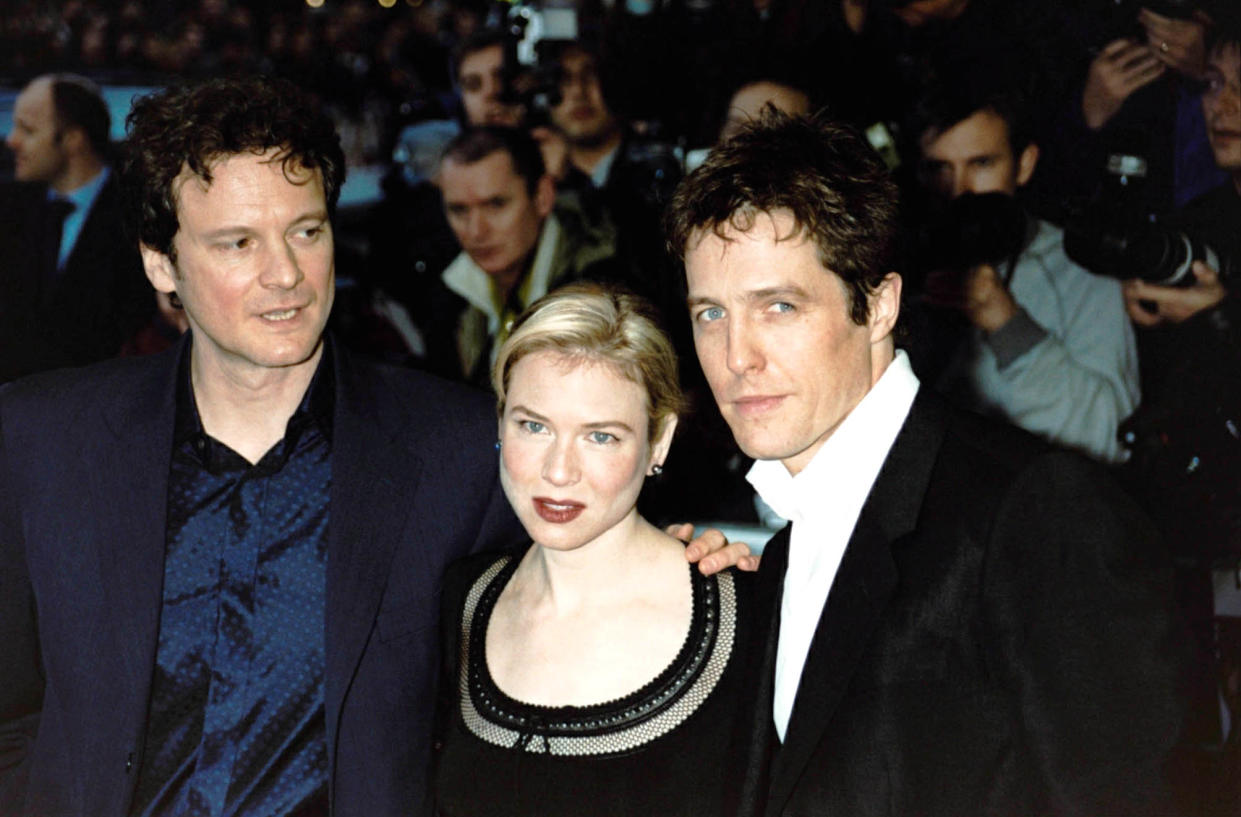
(96, 233)
(375, 472)
(861, 590)
(860, 593)
(130, 503)
(758, 734)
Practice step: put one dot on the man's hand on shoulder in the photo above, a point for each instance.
(712, 551)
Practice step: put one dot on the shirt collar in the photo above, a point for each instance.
(603, 168)
(316, 408)
(83, 198)
(466, 278)
(849, 460)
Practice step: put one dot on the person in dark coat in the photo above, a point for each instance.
(960, 619)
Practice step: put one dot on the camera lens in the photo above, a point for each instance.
(1166, 257)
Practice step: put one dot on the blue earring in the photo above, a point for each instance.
(498, 444)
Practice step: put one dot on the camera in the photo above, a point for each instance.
(654, 167)
(972, 229)
(535, 30)
(532, 22)
(947, 238)
(1155, 254)
(1111, 235)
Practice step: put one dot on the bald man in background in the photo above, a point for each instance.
(71, 292)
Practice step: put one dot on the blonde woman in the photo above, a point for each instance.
(595, 674)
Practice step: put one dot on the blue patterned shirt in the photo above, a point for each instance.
(236, 723)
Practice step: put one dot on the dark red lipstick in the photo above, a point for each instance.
(557, 511)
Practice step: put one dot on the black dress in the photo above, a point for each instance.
(665, 749)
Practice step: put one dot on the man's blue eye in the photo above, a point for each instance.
(711, 313)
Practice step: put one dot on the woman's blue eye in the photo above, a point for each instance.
(533, 426)
(601, 437)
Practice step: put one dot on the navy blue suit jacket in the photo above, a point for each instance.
(84, 462)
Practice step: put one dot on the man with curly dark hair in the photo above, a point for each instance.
(219, 565)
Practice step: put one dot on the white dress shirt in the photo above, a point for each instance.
(823, 502)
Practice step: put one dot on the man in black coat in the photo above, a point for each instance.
(963, 620)
(71, 290)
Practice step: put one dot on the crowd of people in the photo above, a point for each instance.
(225, 544)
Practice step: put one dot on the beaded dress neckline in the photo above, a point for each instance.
(609, 727)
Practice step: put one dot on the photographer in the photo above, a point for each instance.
(1135, 100)
(1185, 436)
(494, 89)
(627, 173)
(1127, 64)
(483, 79)
(411, 241)
(1186, 463)
(1047, 344)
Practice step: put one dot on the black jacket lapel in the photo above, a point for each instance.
(756, 731)
(861, 590)
(863, 586)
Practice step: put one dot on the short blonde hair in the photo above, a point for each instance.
(604, 324)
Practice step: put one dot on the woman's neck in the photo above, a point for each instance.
(614, 565)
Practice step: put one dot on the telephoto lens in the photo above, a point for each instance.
(1166, 257)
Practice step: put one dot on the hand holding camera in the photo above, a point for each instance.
(964, 249)
(1122, 67)
(978, 293)
(1177, 42)
(1162, 34)
(1153, 305)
